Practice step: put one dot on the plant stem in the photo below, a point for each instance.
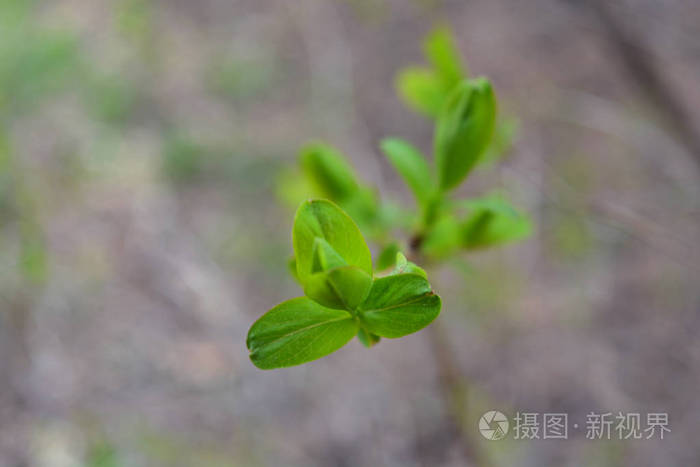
(453, 386)
(454, 391)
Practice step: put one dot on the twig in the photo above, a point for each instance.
(635, 56)
(454, 387)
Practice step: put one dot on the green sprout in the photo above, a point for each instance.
(345, 295)
(343, 298)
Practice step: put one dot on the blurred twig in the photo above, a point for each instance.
(638, 61)
(453, 387)
(454, 391)
(644, 136)
(614, 214)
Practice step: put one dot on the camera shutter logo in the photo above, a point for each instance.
(493, 425)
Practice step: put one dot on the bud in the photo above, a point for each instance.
(464, 130)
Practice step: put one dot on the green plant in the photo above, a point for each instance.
(425, 88)
(344, 295)
(343, 299)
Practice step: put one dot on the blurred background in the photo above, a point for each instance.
(141, 233)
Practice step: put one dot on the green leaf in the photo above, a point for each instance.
(412, 166)
(421, 89)
(399, 305)
(362, 206)
(327, 174)
(328, 171)
(493, 221)
(323, 219)
(463, 130)
(292, 188)
(367, 338)
(441, 51)
(443, 239)
(325, 257)
(298, 331)
(404, 266)
(401, 261)
(433, 210)
(425, 89)
(342, 288)
(387, 257)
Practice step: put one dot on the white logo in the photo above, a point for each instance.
(493, 425)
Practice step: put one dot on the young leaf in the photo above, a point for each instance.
(343, 288)
(292, 188)
(325, 173)
(367, 338)
(412, 166)
(323, 219)
(325, 257)
(426, 89)
(441, 51)
(298, 331)
(463, 130)
(493, 222)
(333, 283)
(421, 89)
(404, 266)
(328, 171)
(443, 238)
(401, 261)
(399, 305)
(362, 206)
(387, 257)
(433, 210)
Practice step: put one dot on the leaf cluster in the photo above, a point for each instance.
(344, 296)
(467, 135)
